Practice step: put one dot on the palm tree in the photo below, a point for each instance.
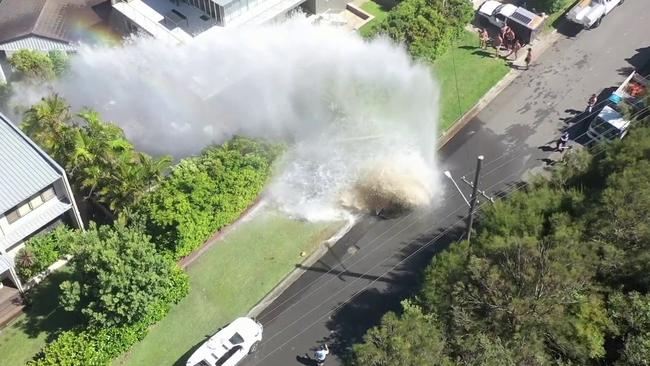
(48, 124)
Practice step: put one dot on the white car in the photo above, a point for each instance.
(496, 12)
(590, 13)
(229, 345)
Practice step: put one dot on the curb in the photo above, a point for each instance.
(290, 278)
(542, 45)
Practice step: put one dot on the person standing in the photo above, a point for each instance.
(515, 49)
(496, 43)
(483, 38)
(510, 39)
(591, 102)
(562, 141)
(321, 354)
(529, 57)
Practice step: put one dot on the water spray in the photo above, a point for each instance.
(360, 115)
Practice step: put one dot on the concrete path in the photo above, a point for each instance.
(379, 262)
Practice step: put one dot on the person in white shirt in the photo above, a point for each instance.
(321, 354)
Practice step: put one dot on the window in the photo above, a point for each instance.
(236, 339)
(48, 194)
(12, 216)
(24, 209)
(35, 202)
(30, 205)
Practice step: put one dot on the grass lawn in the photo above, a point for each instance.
(24, 338)
(477, 71)
(379, 10)
(226, 282)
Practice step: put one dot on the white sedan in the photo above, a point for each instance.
(229, 345)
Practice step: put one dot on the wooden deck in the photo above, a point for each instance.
(11, 305)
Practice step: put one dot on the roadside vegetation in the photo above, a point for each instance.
(123, 277)
(227, 281)
(555, 275)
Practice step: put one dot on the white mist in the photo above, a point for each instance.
(360, 116)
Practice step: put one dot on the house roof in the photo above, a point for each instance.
(52, 19)
(25, 169)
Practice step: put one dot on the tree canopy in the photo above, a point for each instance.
(426, 27)
(117, 276)
(102, 164)
(556, 275)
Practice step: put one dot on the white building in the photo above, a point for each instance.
(34, 195)
(181, 20)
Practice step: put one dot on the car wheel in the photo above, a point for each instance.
(597, 23)
(254, 347)
(621, 3)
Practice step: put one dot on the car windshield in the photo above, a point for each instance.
(202, 363)
(236, 339)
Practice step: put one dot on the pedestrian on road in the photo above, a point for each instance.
(591, 102)
(483, 38)
(529, 57)
(562, 141)
(496, 43)
(321, 354)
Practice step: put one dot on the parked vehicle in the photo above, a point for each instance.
(590, 13)
(229, 345)
(526, 24)
(611, 124)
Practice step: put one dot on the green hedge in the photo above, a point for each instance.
(43, 250)
(549, 6)
(426, 27)
(95, 347)
(204, 193)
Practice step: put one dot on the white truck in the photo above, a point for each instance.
(590, 13)
(610, 123)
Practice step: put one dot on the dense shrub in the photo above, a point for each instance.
(426, 27)
(43, 250)
(202, 194)
(32, 64)
(117, 276)
(98, 346)
(60, 62)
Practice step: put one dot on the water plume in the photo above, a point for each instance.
(360, 116)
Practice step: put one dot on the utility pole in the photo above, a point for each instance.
(471, 203)
(472, 200)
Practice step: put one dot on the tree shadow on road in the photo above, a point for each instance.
(364, 309)
(568, 29)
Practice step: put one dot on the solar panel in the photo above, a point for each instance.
(521, 17)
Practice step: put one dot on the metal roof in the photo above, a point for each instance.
(53, 19)
(24, 168)
(36, 43)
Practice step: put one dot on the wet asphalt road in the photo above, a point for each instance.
(378, 262)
